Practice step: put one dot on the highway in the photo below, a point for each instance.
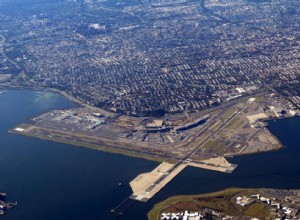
(4, 55)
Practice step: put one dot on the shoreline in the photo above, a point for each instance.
(282, 147)
(229, 195)
(114, 146)
(154, 213)
(107, 149)
(98, 109)
(64, 94)
(80, 102)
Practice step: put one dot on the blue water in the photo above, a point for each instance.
(53, 181)
(57, 181)
(280, 169)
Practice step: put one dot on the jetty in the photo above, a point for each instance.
(146, 185)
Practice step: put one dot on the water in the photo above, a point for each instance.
(53, 181)
(280, 169)
(57, 181)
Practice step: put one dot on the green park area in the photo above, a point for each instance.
(221, 201)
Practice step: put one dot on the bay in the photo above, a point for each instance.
(53, 181)
(57, 181)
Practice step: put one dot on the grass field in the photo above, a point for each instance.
(215, 145)
(257, 210)
(229, 113)
(220, 200)
(216, 125)
(234, 124)
(94, 146)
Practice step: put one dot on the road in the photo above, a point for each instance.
(203, 142)
(4, 55)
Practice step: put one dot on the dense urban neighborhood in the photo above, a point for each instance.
(186, 83)
(148, 58)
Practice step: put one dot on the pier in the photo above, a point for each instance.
(146, 185)
(217, 164)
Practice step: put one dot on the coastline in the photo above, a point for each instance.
(281, 147)
(80, 102)
(64, 94)
(115, 146)
(155, 212)
(229, 202)
(159, 207)
(108, 149)
(131, 155)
